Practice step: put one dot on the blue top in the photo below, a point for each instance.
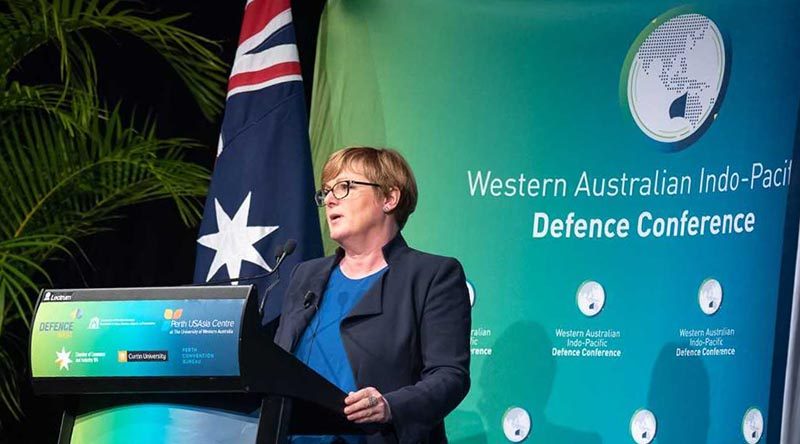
(321, 346)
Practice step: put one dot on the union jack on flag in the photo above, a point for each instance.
(262, 187)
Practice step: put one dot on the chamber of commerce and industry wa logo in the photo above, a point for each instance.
(63, 359)
(674, 77)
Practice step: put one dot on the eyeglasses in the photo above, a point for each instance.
(340, 190)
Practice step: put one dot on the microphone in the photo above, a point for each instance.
(309, 299)
(281, 253)
(289, 246)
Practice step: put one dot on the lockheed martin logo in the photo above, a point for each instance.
(672, 80)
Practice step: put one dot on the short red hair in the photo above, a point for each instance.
(383, 166)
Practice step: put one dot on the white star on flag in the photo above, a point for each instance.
(234, 241)
(63, 359)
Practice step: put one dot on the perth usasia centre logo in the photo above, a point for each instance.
(171, 315)
(674, 76)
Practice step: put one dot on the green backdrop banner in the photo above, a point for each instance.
(614, 178)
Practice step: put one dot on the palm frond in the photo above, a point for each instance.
(69, 164)
(75, 184)
(30, 24)
(71, 107)
(61, 183)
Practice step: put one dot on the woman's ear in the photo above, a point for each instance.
(391, 200)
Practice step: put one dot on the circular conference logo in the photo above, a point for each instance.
(752, 425)
(643, 426)
(591, 298)
(709, 296)
(471, 292)
(673, 77)
(516, 424)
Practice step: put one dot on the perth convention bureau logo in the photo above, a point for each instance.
(673, 77)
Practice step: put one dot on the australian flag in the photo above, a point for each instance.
(262, 188)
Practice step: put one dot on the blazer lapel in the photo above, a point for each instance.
(371, 303)
(300, 317)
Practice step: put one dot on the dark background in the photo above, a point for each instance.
(149, 245)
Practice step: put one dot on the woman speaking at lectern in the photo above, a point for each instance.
(384, 322)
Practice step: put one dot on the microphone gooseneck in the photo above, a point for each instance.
(282, 252)
(289, 246)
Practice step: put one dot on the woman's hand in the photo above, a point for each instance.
(366, 405)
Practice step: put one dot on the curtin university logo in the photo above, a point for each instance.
(673, 77)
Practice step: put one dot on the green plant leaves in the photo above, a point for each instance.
(68, 162)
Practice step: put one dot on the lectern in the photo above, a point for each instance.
(120, 354)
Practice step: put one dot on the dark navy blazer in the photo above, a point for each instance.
(408, 336)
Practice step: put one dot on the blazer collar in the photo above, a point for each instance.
(391, 251)
(372, 302)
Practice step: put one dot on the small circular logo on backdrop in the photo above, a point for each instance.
(709, 296)
(643, 426)
(516, 424)
(591, 298)
(471, 291)
(752, 425)
(673, 77)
